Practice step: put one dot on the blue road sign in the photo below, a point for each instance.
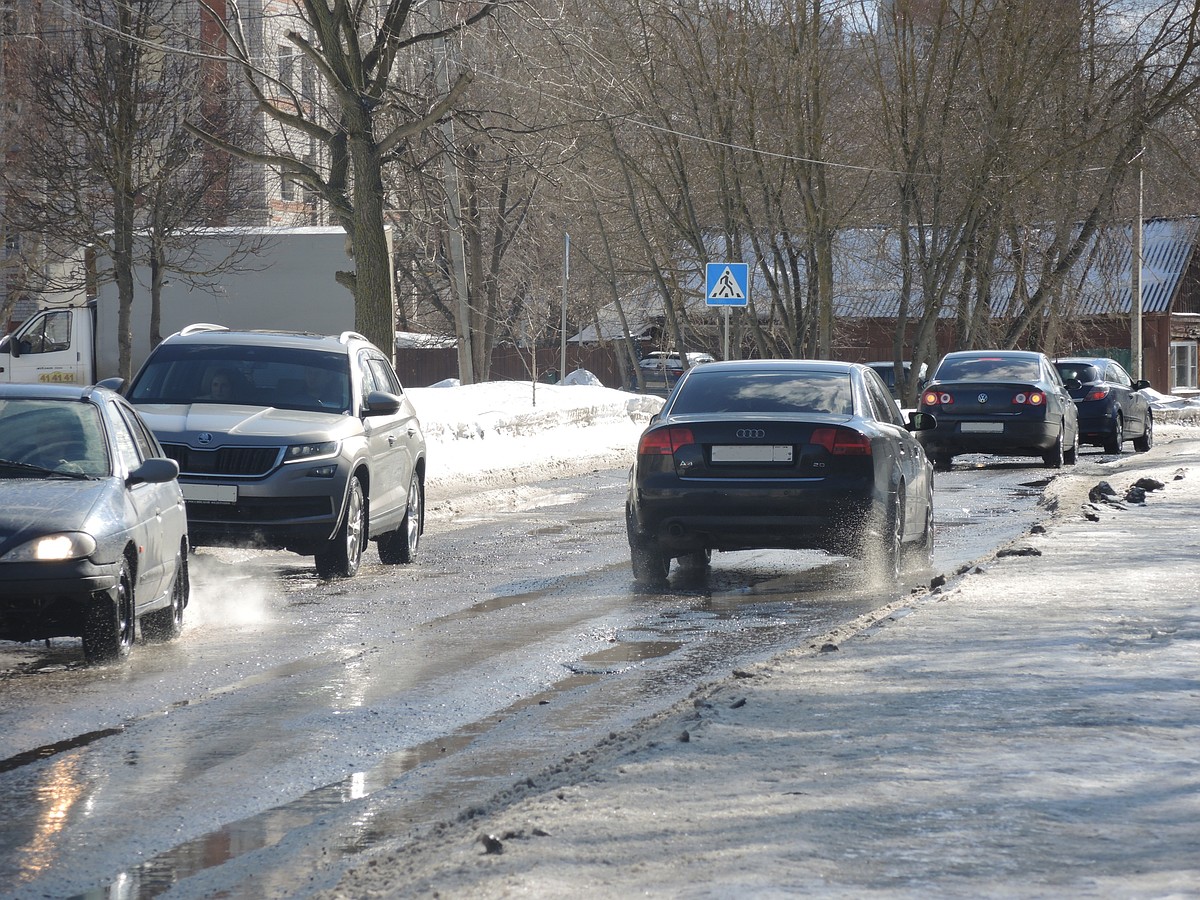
(727, 284)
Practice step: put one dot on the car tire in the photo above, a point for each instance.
(698, 559)
(109, 625)
(1053, 458)
(1114, 440)
(1146, 441)
(400, 546)
(167, 623)
(1071, 454)
(343, 553)
(943, 462)
(650, 564)
(882, 545)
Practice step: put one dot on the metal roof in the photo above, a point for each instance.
(867, 277)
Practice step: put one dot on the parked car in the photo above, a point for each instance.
(93, 533)
(1003, 402)
(791, 454)
(1111, 411)
(886, 369)
(661, 370)
(312, 447)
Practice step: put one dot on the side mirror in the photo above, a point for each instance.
(1073, 385)
(1141, 384)
(113, 384)
(381, 403)
(921, 421)
(156, 470)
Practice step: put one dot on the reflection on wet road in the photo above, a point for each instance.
(296, 714)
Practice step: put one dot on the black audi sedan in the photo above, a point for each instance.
(1111, 411)
(779, 454)
(93, 533)
(1002, 402)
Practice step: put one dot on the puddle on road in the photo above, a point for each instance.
(161, 873)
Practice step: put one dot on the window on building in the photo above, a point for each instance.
(287, 188)
(1183, 366)
(287, 65)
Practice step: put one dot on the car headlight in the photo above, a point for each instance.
(54, 548)
(308, 452)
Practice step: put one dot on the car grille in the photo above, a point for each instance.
(235, 462)
(261, 511)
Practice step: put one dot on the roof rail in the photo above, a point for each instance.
(198, 327)
(347, 336)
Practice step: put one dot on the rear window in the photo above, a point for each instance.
(765, 392)
(1082, 372)
(988, 368)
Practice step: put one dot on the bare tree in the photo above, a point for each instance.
(356, 117)
(101, 154)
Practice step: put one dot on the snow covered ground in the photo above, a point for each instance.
(1027, 729)
(486, 441)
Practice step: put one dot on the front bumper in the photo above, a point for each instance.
(293, 508)
(46, 600)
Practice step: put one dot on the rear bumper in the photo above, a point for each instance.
(734, 517)
(1019, 438)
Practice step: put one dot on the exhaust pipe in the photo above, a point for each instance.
(676, 530)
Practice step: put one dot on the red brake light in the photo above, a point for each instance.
(936, 398)
(841, 441)
(1097, 394)
(664, 441)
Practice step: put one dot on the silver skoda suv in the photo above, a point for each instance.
(288, 441)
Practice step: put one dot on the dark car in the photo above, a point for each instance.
(93, 533)
(289, 441)
(1002, 402)
(1111, 411)
(660, 370)
(788, 454)
(886, 369)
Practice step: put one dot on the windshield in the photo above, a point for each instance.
(245, 375)
(765, 392)
(57, 436)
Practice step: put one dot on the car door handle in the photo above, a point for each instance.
(412, 431)
(391, 439)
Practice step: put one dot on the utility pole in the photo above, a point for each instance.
(1136, 277)
(562, 341)
(458, 255)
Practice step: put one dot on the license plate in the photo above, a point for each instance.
(751, 453)
(992, 427)
(210, 493)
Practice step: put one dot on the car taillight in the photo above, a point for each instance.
(841, 441)
(1097, 394)
(936, 398)
(664, 441)
(1029, 398)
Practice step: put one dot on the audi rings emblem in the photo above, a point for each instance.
(751, 433)
(204, 437)
(982, 398)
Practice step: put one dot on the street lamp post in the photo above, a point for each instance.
(1135, 287)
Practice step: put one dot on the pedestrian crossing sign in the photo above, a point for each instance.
(727, 284)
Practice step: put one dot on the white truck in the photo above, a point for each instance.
(287, 284)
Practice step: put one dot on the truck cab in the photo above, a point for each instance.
(54, 346)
